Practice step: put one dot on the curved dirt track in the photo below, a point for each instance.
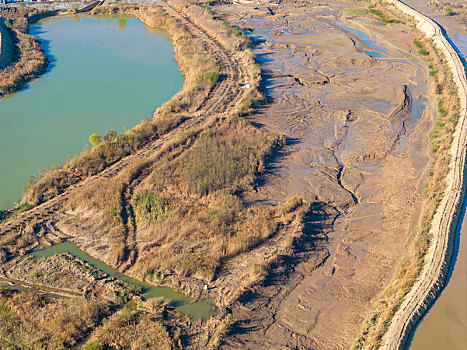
(226, 95)
(446, 219)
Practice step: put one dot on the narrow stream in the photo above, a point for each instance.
(105, 72)
(198, 309)
(365, 38)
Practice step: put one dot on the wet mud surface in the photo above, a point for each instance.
(454, 23)
(357, 128)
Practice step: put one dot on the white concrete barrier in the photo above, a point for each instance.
(446, 219)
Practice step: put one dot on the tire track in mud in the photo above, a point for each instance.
(347, 167)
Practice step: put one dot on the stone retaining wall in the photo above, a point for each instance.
(446, 219)
(6, 45)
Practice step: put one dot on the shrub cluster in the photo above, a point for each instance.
(421, 47)
(230, 155)
(148, 205)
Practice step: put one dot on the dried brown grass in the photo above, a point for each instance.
(132, 330)
(185, 223)
(34, 321)
(29, 61)
(230, 37)
(193, 239)
(193, 57)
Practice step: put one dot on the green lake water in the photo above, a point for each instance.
(199, 309)
(105, 73)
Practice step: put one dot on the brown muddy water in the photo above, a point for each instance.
(445, 325)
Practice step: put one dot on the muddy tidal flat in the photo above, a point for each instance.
(357, 125)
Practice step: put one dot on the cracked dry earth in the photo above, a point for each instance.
(356, 149)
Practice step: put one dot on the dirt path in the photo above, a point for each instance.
(452, 24)
(11, 283)
(446, 219)
(353, 151)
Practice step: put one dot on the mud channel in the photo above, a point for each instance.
(351, 96)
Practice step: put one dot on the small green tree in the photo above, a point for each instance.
(95, 139)
(110, 135)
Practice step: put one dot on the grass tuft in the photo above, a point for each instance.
(212, 77)
(421, 47)
(356, 12)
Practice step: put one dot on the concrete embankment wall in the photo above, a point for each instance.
(90, 6)
(438, 259)
(6, 45)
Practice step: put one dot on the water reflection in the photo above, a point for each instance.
(121, 22)
(365, 38)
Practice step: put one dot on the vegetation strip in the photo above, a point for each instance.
(445, 221)
(222, 91)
